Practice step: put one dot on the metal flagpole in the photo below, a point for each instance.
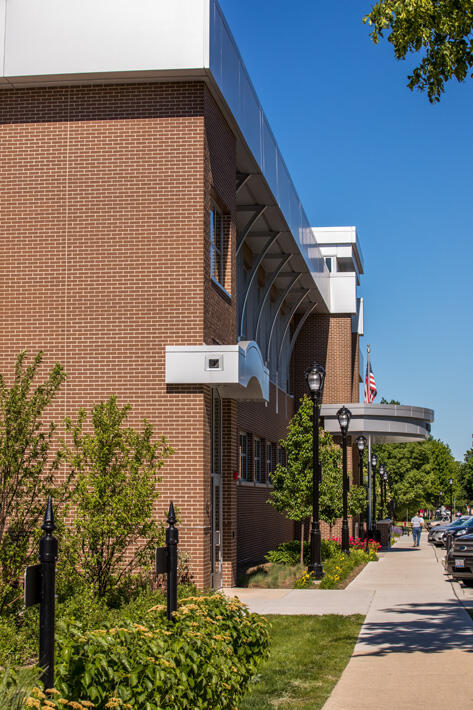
(367, 380)
(370, 500)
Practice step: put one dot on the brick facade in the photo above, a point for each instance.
(105, 260)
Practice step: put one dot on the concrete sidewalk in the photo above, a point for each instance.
(416, 645)
(313, 602)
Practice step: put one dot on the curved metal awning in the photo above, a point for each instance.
(237, 370)
(386, 423)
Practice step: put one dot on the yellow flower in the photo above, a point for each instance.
(53, 691)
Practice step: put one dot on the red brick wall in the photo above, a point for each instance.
(260, 526)
(326, 339)
(103, 243)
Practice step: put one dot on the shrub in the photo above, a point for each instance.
(113, 533)
(27, 469)
(203, 660)
(288, 553)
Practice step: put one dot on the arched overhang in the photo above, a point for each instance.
(237, 370)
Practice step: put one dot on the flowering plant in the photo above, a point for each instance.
(305, 582)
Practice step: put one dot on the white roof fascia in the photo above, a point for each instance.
(64, 42)
(62, 38)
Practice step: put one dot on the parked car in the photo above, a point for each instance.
(459, 562)
(466, 528)
(436, 533)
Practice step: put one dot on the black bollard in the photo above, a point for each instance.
(47, 558)
(172, 537)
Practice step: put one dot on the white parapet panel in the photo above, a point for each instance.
(357, 321)
(237, 370)
(71, 37)
(343, 293)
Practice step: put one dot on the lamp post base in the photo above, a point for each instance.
(315, 565)
(345, 537)
(317, 569)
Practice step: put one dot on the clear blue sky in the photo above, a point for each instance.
(364, 150)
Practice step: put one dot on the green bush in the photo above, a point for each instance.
(289, 553)
(204, 660)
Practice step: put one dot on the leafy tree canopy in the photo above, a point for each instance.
(113, 532)
(27, 468)
(441, 29)
(292, 494)
(466, 474)
(419, 472)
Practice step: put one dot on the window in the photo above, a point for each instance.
(244, 456)
(282, 456)
(270, 460)
(216, 244)
(258, 461)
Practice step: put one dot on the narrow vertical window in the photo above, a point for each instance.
(216, 244)
(258, 459)
(243, 456)
(270, 460)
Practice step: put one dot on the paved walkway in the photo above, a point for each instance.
(416, 645)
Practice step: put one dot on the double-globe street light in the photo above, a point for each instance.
(315, 377)
(344, 416)
(361, 443)
(450, 483)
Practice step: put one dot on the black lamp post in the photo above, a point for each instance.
(374, 462)
(385, 481)
(344, 416)
(381, 481)
(361, 443)
(450, 483)
(315, 377)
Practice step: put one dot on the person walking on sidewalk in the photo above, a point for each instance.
(417, 523)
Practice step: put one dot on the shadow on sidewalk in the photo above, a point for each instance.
(438, 627)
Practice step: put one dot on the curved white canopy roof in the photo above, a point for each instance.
(387, 423)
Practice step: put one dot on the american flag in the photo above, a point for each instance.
(370, 385)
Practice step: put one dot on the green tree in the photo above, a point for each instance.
(292, 493)
(442, 30)
(418, 473)
(466, 475)
(116, 468)
(27, 468)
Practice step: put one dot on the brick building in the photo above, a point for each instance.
(152, 241)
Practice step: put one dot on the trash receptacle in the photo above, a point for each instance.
(384, 528)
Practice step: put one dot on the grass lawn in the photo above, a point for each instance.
(307, 657)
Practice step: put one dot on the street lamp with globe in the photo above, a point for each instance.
(315, 378)
(344, 416)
